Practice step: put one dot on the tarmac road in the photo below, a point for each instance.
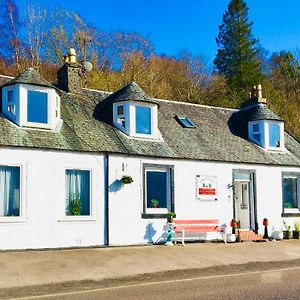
(278, 280)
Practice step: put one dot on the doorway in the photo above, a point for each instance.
(244, 199)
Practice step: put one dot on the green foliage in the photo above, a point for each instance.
(237, 57)
(75, 206)
(154, 202)
(126, 180)
(297, 226)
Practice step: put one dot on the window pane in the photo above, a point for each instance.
(156, 182)
(274, 135)
(10, 96)
(186, 122)
(77, 193)
(9, 191)
(143, 119)
(290, 192)
(255, 128)
(37, 107)
(120, 110)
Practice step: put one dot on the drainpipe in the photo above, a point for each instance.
(106, 199)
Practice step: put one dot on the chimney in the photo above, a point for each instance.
(68, 75)
(256, 95)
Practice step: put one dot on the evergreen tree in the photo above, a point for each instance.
(237, 53)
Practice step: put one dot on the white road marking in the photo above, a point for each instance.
(152, 283)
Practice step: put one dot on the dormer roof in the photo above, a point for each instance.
(30, 76)
(131, 92)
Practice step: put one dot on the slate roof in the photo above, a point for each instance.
(89, 129)
(132, 92)
(30, 76)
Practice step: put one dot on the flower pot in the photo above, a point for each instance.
(230, 238)
(296, 235)
(287, 235)
(277, 235)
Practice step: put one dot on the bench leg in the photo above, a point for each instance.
(183, 236)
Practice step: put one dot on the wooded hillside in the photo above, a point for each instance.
(41, 38)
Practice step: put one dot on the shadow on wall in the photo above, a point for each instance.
(115, 186)
(150, 233)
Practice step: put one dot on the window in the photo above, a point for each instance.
(143, 119)
(291, 185)
(158, 189)
(185, 122)
(256, 134)
(9, 191)
(121, 115)
(37, 107)
(274, 135)
(11, 106)
(77, 193)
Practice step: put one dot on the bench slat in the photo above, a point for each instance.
(196, 221)
(201, 228)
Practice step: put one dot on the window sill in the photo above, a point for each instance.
(290, 214)
(155, 216)
(12, 220)
(77, 219)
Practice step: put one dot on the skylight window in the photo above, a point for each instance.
(185, 122)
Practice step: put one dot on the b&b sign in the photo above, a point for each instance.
(206, 187)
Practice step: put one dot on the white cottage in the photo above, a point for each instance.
(68, 156)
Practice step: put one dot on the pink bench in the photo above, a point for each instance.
(197, 226)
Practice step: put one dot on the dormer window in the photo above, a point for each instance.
(143, 119)
(30, 101)
(11, 105)
(274, 135)
(121, 115)
(137, 119)
(256, 132)
(267, 134)
(37, 107)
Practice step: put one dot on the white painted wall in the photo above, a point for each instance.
(126, 204)
(43, 223)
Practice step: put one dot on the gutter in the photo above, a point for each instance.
(106, 199)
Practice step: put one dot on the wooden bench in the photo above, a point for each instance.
(197, 226)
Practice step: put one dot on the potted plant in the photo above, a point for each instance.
(154, 203)
(170, 216)
(126, 180)
(287, 233)
(296, 231)
(74, 208)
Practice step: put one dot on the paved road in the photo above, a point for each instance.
(255, 283)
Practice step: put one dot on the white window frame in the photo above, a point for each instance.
(22, 217)
(91, 216)
(130, 119)
(281, 135)
(260, 131)
(11, 105)
(297, 177)
(264, 133)
(158, 168)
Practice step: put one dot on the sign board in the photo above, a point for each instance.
(206, 187)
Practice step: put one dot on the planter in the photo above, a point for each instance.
(230, 238)
(287, 235)
(277, 235)
(296, 235)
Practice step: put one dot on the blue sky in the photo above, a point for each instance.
(174, 25)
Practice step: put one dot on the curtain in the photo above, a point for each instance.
(78, 186)
(9, 191)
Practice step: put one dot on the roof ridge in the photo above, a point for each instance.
(7, 76)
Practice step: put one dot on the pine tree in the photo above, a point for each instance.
(237, 54)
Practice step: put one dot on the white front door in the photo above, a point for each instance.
(242, 203)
